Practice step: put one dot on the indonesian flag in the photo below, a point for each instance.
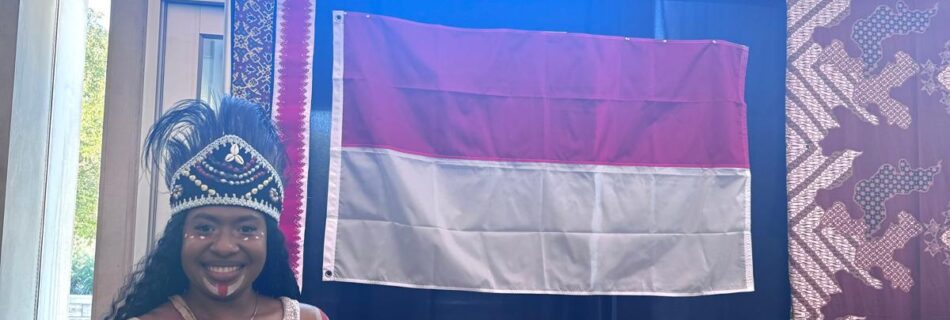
(536, 162)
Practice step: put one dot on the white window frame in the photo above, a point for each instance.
(40, 108)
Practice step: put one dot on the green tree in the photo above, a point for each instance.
(90, 152)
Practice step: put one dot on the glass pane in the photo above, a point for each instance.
(211, 75)
(90, 152)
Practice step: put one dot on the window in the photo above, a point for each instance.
(211, 68)
(90, 152)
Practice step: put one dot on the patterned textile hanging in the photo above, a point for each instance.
(271, 58)
(868, 109)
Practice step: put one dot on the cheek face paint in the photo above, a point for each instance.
(192, 237)
(257, 236)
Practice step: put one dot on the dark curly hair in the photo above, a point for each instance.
(160, 275)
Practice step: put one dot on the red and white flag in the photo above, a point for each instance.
(536, 162)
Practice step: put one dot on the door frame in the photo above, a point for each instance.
(126, 220)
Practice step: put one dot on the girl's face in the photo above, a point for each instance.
(224, 249)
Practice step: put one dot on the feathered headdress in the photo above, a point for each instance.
(229, 155)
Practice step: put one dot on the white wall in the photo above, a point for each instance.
(26, 161)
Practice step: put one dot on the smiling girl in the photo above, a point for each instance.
(222, 255)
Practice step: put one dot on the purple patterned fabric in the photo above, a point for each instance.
(291, 112)
(252, 50)
(867, 107)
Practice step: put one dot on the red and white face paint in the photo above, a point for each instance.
(224, 290)
(224, 249)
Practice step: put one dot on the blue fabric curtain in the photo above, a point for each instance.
(757, 24)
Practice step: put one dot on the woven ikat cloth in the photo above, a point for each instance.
(868, 115)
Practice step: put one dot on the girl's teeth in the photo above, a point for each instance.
(222, 269)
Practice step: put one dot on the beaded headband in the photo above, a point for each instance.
(228, 172)
(227, 155)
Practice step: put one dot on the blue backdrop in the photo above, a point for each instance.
(760, 25)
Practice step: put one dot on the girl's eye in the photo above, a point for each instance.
(247, 229)
(204, 228)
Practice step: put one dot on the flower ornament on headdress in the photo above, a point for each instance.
(226, 156)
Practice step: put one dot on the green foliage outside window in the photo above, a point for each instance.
(90, 152)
